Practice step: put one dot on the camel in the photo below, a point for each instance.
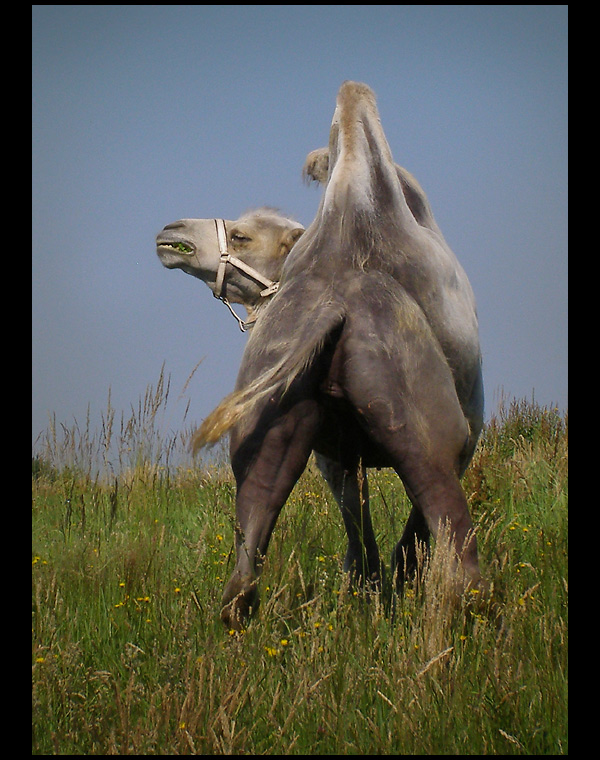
(368, 354)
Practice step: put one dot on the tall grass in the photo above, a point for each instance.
(129, 656)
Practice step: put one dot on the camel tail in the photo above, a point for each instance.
(303, 349)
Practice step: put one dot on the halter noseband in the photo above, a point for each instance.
(228, 258)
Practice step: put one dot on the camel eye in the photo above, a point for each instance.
(238, 237)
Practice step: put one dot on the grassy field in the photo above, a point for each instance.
(129, 656)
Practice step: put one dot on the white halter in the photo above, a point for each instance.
(227, 258)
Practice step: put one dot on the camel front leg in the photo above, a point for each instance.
(351, 491)
(266, 463)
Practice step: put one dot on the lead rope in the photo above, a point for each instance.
(226, 258)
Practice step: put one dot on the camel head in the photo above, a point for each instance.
(240, 261)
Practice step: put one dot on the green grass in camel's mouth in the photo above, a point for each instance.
(182, 247)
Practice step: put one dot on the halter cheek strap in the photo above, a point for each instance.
(228, 258)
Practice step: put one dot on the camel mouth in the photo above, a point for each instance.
(175, 246)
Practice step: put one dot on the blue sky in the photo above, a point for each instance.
(147, 114)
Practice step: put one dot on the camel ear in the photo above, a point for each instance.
(288, 240)
(316, 166)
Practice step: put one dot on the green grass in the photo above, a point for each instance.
(129, 655)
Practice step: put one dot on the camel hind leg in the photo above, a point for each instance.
(404, 395)
(266, 464)
(431, 481)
